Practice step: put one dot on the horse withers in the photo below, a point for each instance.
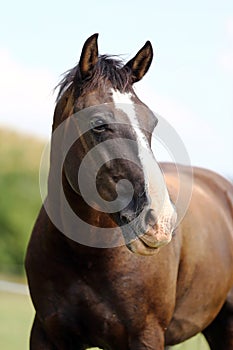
(110, 264)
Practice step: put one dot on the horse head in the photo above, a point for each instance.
(114, 129)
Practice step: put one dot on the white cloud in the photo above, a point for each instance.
(201, 138)
(27, 98)
(182, 118)
(226, 57)
(229, 27)
(226, 61)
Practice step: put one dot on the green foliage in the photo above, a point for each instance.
(19, 196)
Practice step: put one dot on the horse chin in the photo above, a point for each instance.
(140, 248)
(148, 243)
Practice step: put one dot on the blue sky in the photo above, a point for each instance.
(190, 82)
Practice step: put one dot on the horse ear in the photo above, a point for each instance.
(89, 56)
(140, 64)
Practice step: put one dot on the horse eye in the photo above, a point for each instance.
(98, 125)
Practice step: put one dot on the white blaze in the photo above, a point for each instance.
(155, 186)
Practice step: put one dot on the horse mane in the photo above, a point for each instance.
(108, 69)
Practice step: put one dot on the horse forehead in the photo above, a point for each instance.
(131, 107)
(124, 102)
(93, 98)
(110, 95)
(121, 97)
(125, 105)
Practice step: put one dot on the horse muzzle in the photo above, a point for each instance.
(155, 235)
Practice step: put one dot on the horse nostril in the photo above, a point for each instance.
(127, 216)
(150, 217)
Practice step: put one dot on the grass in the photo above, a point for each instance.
(16, 316)
(196, 343)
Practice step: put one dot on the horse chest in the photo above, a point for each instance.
(88, 314)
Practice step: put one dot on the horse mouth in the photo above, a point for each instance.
(141, 247)
(144, 239)
(149, 242)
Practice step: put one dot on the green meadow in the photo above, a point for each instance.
(16, 315)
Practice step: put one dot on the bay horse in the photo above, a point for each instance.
(159, 282)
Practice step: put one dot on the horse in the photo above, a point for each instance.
(120, 264)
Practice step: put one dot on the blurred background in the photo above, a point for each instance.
(189, 84)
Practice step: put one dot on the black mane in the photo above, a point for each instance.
(108, 68)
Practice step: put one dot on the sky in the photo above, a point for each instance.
(190, 82)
